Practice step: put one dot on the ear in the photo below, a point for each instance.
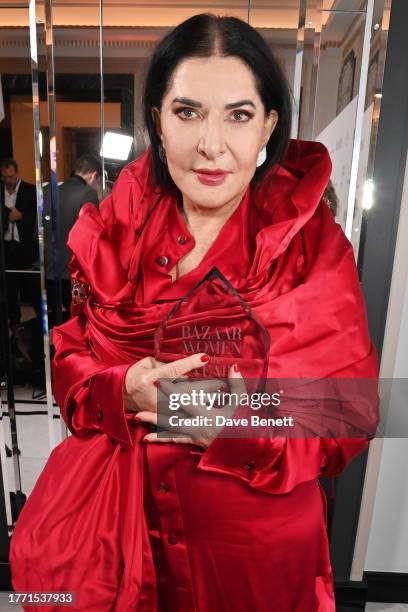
(92, 177)
(157, 120)
(270, 124)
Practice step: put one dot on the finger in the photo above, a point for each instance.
(188, 386)
(150, 363)
(147, 417)
(178, 439)
(206, 384)
(161, 421)
(177, 368)
(175, 399)
(159, 363)
(236, 381)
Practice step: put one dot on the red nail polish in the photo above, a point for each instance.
(156, 384)
(205, 358)
(236, 367)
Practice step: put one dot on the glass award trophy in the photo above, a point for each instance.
(212, 318)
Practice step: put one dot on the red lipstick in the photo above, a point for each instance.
(214, 176)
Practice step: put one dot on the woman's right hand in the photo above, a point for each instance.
(140, 390)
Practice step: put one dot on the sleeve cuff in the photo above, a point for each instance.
(274, 465)
(246, 458)
(108, 403)
(278, 465)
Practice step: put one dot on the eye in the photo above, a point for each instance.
(182, 112)
(245, 114)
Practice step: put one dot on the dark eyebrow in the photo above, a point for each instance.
(199, 105)
(240, 103)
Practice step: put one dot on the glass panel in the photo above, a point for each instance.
(70, 128)
(337, 96)
(25, 433)
(61, 113)
(77, 128)
(365, 189)
(77, 67)
(279, 23)
(343, 59)
(341, 46)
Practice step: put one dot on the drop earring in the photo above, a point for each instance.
(261, 157)
(162, 154)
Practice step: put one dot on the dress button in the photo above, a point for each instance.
(172, 539)
(249, 466)
(182, 239)
(99, 415)
(162, 260)
(163, 487)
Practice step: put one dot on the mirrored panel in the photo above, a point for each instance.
(74, 137)
(337, 96)
(365, 187)
(51, 97)
(25, 439)
(342, 70)
(281, 25)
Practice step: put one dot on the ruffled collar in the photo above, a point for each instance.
(262, 226)
(286, 199)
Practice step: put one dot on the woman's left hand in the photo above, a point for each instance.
(199, 435)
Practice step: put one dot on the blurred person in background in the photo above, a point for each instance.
(79, 189)
(104, 191)
(19, 210)
(331, 199)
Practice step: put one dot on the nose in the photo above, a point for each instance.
(212, 138)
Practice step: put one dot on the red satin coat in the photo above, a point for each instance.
(242, 524)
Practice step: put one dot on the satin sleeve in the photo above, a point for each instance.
(278, 465)
(89, 392)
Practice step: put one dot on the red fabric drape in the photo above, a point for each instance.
(290, 261)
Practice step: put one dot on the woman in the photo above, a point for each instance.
(223, 524)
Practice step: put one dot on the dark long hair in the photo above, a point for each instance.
(205, 35)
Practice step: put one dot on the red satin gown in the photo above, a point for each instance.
(240, 525)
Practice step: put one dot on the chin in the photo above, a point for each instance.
(206, 200)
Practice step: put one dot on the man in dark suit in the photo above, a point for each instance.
(19, 210)
(63, 211)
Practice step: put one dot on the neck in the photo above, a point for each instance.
(202, 220)
(82, 177)
(11, 189)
